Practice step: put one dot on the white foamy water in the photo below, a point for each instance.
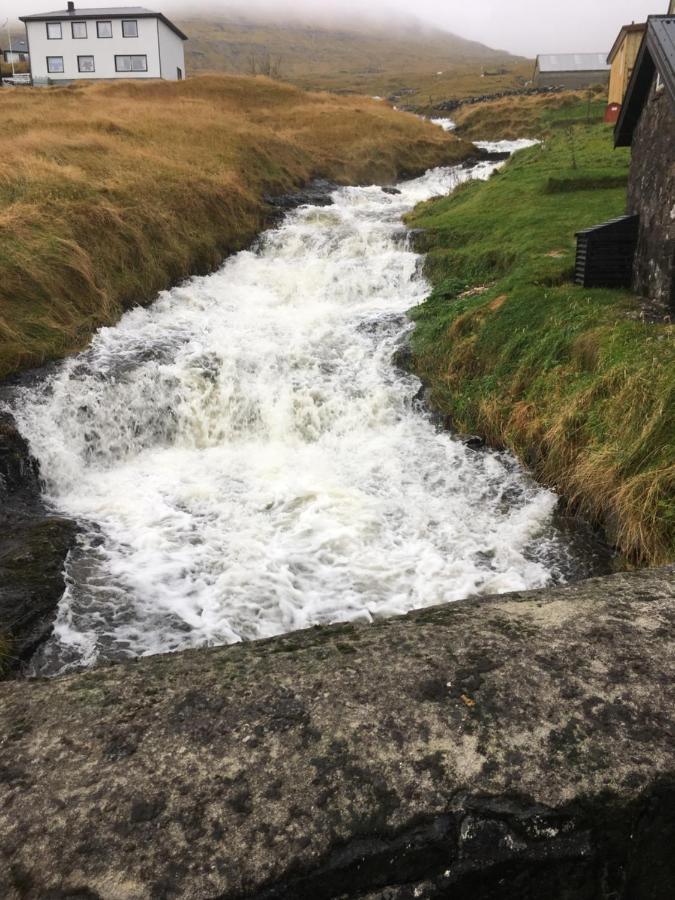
(245, 460)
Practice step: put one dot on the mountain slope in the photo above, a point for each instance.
(365, 58)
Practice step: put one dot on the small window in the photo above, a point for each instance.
(104, 29)
(54, 31)
(179, 73)
(79, 30)
(54, 64)
(131, 63)
(85, 64)
(129, 28)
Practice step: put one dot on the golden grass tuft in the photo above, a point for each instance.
(111, 192)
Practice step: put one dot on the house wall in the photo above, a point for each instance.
(102, 49)
(622, 66)
(651, 194)
(572, 80)
(171, 52)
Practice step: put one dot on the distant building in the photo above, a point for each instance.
(647, 124)
(571, 70)
(119, 42)
(17, 52)
(622, 58)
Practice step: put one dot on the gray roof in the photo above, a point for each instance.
(18, 47)
(573, 62)
(105, 12)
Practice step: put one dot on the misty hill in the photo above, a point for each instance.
(365, 57)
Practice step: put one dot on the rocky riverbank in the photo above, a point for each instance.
(33, 547)
(513, 747)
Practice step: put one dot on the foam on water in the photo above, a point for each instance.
(245, 459)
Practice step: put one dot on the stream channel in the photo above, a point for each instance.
(244, 458)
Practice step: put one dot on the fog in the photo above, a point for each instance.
(525, 27)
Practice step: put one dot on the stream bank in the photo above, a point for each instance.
(513, 747)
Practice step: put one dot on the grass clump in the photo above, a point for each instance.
(111, 192)
(573, 380)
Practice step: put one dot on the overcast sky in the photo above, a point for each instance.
(526, 27)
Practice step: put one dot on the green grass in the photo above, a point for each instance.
(571, 379)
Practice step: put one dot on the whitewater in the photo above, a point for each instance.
(244, 459)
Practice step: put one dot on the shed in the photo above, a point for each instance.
(622, 59)
(647, 124)
(571, 70)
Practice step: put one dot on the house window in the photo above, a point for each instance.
(129, 28)
(54, 31)
(79, 30)
(179, 73)
(131, 63)
(104, 29)
(54, 64)
(85, 64)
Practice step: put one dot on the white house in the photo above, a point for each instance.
(17, 52)
(120, 42)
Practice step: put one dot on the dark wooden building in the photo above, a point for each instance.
(647, 124)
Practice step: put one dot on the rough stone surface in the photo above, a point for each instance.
(33, 548)
(651, 195)
(511, 747)
(317, 193)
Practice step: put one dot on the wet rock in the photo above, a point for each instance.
(391, 190)
(472, 441)
(316, 193)
(512, 747)
(403, 358)
(33, 548)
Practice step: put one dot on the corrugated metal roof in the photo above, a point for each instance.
(572, 62)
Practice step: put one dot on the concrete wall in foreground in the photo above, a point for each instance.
(516, 747)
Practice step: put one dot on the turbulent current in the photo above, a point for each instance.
(245, 460)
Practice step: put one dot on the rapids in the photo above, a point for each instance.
(245, 459)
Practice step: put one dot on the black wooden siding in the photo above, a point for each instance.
(605, 253)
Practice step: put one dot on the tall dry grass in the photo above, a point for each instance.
(111, 192)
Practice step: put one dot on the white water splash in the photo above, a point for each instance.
(246, 460)
(445, 124)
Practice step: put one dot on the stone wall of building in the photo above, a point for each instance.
(651, 194)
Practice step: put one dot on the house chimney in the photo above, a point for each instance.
(71, 6)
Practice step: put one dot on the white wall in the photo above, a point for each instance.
(102, 49)
(171, 52)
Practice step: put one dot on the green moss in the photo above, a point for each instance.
(571, 379)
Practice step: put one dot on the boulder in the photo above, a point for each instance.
(518, 746)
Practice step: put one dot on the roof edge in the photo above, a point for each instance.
(626, 29)
(650, 59)
(106, 14)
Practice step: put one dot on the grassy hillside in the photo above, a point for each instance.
(111, 192)
(365, 59)
(534, 116)
(575, 381)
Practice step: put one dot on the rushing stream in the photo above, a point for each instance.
(245, 459)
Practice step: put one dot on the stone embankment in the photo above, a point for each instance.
(33, 546)
(511, 747)
(450, 105)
